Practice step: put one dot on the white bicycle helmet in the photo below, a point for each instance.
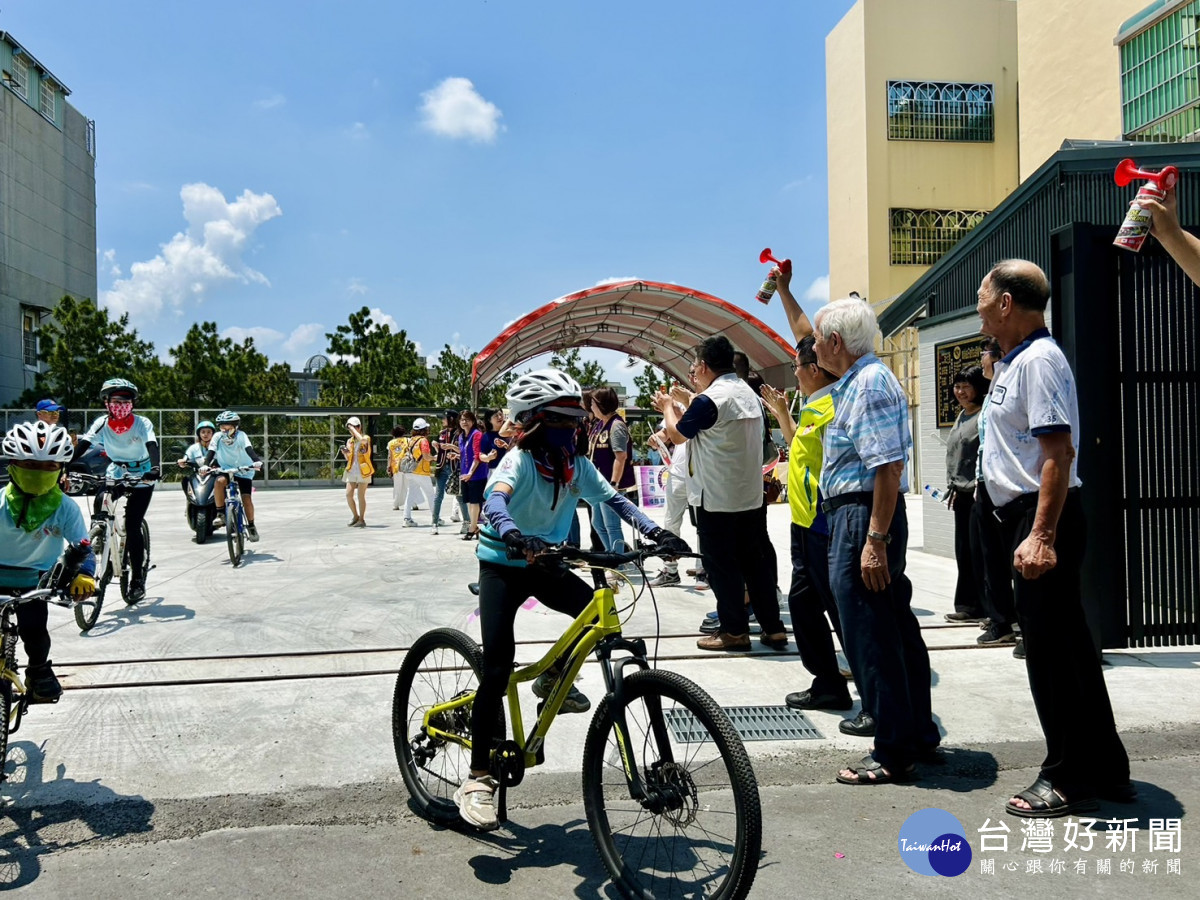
(38, 441)
(546, 390)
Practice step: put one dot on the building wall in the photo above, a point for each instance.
(47, 222)
(1069, 72)
(923, 40)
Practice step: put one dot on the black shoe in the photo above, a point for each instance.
(137, 590)
(997, 634)
(964, 617)
(41, 685)
(809, 700)
(710, 626)
(251, 533)
(1019, 650)
(862, 725)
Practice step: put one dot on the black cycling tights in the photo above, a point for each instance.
(502, 590)
(136, 503)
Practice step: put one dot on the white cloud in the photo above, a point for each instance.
(110, 259)
(454, 109)
(380, 318)
(358, 132)
(272, 102)
(208, 254)
(262, 335)
(302, 338)
(357, 287)
(818, 291)
(604, 281)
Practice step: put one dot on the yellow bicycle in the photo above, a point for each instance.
(14, 699)
(671, 798)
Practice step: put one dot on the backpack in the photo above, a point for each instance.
(408, 464)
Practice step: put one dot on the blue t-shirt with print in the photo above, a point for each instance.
(126, 451)
(232, 453)
(24, 555)
(530, 502)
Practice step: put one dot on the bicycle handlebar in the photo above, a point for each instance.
(54, 584)
(127, 480)
(606, 559)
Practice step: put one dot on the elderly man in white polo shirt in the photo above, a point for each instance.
(724, 430)
(1029, 467)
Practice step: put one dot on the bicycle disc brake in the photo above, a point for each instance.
(678, 800)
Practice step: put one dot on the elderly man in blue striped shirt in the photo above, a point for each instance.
(866, 447)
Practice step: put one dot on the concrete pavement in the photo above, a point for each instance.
(258, 697)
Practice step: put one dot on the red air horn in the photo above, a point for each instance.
(1137, 220)
(767, 291)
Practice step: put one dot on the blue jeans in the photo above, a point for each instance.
(882, 638)
(607, 524)
(442, 479)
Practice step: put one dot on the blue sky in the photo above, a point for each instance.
(274, 166)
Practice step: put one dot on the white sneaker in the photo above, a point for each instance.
(434, 531)
(476, 802)
(408, 523)
(442, 522)
(455, 517)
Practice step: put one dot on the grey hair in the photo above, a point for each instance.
(854, 320)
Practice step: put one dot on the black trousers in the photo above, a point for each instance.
(1083, 751)
(136, 503)
(734, 549)
(968, 590)
(31, 625)
(502, 590)
(995, 561)
(882, 638)
(809, 602)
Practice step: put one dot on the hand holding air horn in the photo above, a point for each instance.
(767, 291)
(1137, 221)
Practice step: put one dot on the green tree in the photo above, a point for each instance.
(211, 371)
(375, 366)
(588, 374)
(651, 379)
(450, 387)
(81, 347)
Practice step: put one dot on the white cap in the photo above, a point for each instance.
(419, 424)
(354, 420)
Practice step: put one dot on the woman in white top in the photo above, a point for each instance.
(359, 470)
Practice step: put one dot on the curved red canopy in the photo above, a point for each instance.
(660, 323)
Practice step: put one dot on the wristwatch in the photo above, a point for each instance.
(879, 536)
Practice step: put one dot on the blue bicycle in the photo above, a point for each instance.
(236, 525)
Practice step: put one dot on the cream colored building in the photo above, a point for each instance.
(1069, 73)
(922, 134)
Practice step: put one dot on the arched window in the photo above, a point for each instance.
(920, 237)
(940, 111)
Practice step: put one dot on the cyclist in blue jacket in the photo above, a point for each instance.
(36, 521)
(529, 504)
(129, 442)
(231, 449)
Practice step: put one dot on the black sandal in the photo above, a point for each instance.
(1047, 803)
(868, 766)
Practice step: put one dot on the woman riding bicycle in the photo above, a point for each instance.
(35, 521)
(132, 448)
(529, 504)
(231, 449)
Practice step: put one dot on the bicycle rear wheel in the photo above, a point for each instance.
(441, 665)
(235, 538)
(700, 833)
(126, 567)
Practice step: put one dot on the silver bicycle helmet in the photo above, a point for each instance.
(548, 390)
(229, 417)
(38, 441)
(118, 386)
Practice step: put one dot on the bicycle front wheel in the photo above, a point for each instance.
(699, 832)
(6, 698)
(235, 540)
(441, 665)
(88, 611)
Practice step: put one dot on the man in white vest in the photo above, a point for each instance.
(724, 430)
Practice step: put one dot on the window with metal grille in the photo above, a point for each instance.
(29, 338)
(20, 76)
(47, 99)
(1160, 79)
(920, 237)
(940, 111)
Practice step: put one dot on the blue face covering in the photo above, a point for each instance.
(562, 438)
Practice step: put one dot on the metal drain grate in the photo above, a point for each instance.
(753, 723)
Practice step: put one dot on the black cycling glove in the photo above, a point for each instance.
(153, 474)
(518, 544)
(668, 542)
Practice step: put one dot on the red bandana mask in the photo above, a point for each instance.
(120, 415)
